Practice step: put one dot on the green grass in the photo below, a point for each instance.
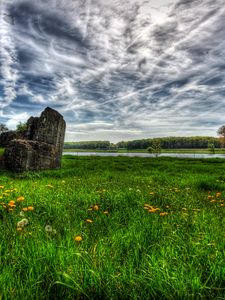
(129, 253)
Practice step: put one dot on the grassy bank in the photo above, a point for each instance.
(114, 228)
(194, 151)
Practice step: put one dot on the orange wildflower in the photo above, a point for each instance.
(24, 209)
(12, 204)
(20, 199)
(162, 214)
(153, 210)
(89, 221)
(30, 208)
(96, 207)
(213, 201)
(78, 238)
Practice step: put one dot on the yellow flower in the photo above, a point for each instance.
(153, 210)
(151, 193)
(88, 221)
(218, 194)
(95, 207)
(19, 228)
(24, 209)
(106, 212)
(78, 238)
(210, 197)
(1, 186)
(222, 204)
(12, 204)
(162, 214)
(30, 208)
(20, 199)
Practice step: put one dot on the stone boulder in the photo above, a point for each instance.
(27, 155)
(41, 146)
(7, 137)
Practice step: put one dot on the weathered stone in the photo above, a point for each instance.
(7, 137)
(24, 155)
(42, 145)
(50, 128)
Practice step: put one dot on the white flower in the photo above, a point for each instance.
(22, 223)
(48, 228)
(22, 214)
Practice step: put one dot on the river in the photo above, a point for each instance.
(137, 154)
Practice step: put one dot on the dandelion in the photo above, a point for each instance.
(222, 204)
(30, 208)
(96, 207)
(105, 212)
(12, 204)
(162, 214)
(19, 229)
(210, 197)
(22, 214)
(48, 228)
(24, 209)
(88, 221)
(20, 199)
(1, 186)
(218, 195)
(213, 201)
(78, 238)
(22, 223)
(153, 210)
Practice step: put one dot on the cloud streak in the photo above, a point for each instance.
(123, 68)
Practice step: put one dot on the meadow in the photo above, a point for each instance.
(114, 228)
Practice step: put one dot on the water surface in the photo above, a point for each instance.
(137, 154)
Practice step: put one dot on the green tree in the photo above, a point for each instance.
(211, 148)
(21, 127)
(221, 133)
(3, 128)
(155, 148)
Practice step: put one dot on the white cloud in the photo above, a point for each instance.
(15, 119)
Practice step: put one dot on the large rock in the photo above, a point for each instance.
(7, 137)
(42, 145)
(25, 155)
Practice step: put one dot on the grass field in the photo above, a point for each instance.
(114, 228)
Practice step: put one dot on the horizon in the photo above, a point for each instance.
(118, 71)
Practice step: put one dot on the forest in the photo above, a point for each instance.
(193, 142)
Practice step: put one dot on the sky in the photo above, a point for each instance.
(116, 69)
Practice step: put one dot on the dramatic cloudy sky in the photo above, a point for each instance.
(116, 69)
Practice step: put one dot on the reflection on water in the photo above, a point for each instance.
(180, 155)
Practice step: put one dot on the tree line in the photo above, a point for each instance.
(196, 142)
